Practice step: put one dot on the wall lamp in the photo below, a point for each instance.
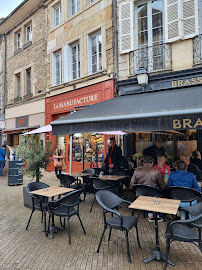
(142, 76)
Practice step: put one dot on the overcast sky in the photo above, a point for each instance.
(7, 6)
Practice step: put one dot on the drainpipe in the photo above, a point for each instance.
(115, 44)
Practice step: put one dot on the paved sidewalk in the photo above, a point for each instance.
(20, 249)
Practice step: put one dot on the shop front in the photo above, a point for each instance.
(90, 147)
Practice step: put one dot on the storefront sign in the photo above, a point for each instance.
(187, 82)
(187, 123)
(69, 104)
(22, 121)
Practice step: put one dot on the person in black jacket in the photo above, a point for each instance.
(113, 159)
(197, 159)
(191, 167)
(155, 151)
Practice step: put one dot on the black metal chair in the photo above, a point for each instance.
(39, 203)
(99, 184)
(97, 171)
(188, 230)
(87, 181)
(125, 181)
(66, 207)
(109, 201)
(67, 181)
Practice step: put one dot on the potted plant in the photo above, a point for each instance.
(36, 156)
(136, 157)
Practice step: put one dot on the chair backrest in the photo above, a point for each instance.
(91, 171)
(35, 186)
(146, 190)
(108, 199)
(99, 184)
(66, 180)
(71, 199)
(97, 171)
(183, 194)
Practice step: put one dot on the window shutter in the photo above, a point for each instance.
(52, 17)
(69, 8)
(172, 20)
(190, 25)
(53, 70)
(126, 26)
(89, 51)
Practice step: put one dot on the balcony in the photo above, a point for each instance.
(197, 49)
(153, 58)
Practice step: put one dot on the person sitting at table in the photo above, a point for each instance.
(155, 150)
(197, 159)
(147, 175)
(181, 177)
(191, 167)
(161, 165)
(113, 159)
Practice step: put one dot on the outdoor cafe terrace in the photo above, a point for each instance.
(21, 249)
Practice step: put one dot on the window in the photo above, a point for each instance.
(57, 68)
(18, 85)
(57, 15)
(28, 81)
(29, 33)
(95, 53)
(73, 7)
(75, 61)
(149, 35)
(18, 41)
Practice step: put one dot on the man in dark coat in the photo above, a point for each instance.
(155, 151)
(191, 167)
(113, 159)
(197, 159)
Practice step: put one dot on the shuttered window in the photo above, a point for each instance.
(181, 19)
(126, 26)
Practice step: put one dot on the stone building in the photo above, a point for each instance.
(26, 68)
(81, 67)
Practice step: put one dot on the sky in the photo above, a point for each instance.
(7, 6)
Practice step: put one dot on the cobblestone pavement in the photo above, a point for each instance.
(21, 249)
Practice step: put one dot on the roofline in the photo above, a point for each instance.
(124, 117)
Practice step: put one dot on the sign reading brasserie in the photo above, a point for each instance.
(187, 82)
(187, 123)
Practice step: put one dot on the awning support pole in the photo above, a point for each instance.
(70, 153)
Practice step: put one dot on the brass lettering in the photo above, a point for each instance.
(198, 123)
(187, 82)
(187, 123)
(199, 79)
(176, 123)
(180, 82)
(174, 83)
(193, 80)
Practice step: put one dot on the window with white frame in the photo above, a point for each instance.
(149, 34)
(18, 85)
(57, 15)
(57, 68)
(28, 81)
(73, 7)
(95, 53)
(18, 40)
(75, 51)
(29, 33)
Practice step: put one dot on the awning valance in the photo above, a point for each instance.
(151, 111)
(47, 128)
(17, 130)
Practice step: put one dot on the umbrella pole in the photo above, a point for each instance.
(70, 153)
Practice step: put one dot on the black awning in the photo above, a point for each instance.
(138, 112)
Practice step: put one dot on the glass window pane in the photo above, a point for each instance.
(157, 6)
(157, 20)
(143, 38)
(157, 34)
(142, 11)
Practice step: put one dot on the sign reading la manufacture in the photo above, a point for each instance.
(76, 102)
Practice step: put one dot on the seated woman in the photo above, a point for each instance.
(181, 177)
(161, 166)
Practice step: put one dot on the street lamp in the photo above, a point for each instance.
(142, 77)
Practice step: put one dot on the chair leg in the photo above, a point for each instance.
(81, 224)
(42, 217)
(105, 227)
(167, 252)
(30, 219)
(61, 222)
(138, 241)
(110, 232)
(92, 204)
(45, 227)
(128, 248)
(69, 231)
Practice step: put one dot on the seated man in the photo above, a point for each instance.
(191, 167)
(147, 175)
(181, 177)
(197, 159)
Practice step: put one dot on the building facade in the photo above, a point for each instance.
(159, 41)
(26, 68)
(81, 68)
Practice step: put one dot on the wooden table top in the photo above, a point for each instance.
(112, 177)
(162, 205)
(52, 191)
(78, 174)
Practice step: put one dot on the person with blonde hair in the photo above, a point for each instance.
(59, 162)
